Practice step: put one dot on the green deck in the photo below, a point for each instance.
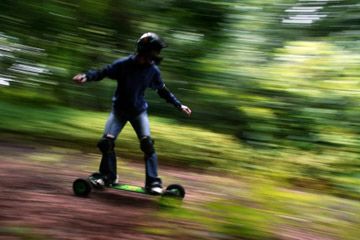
(130, 188)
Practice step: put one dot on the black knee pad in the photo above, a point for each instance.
(106, 144)
(147, 145)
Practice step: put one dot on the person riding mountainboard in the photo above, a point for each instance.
(134, 74)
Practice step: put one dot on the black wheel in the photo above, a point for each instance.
(175, 190)
(81, 187)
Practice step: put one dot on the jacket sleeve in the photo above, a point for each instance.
(169, 97)
(158, 85)
(110, 71)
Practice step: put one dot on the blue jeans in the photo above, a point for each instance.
(140, 124)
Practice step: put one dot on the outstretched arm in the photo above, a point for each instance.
(110, 71)
(170, 98)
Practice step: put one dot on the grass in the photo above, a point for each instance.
(176, 144)
(21, 233)
(330, 171)
(265, 211)
(270, 192)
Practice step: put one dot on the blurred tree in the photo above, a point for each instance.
(247, 68)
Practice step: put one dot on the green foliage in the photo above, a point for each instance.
(240, 47)
(239, 65)
(273, 85)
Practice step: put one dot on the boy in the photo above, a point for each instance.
(134, 74)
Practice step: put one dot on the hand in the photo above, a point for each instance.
(80, 78)
(185, 110)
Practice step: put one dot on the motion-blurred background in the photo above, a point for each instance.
(274, 88)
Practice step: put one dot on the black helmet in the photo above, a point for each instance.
(148, 42)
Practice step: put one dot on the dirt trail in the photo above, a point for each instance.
(39, 197)
(36, 197)
(37, 202)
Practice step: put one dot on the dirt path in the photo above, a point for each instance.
(37, 202)
(36, 198)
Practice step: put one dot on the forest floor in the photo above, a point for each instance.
(37, 201)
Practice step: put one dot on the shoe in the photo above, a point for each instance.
(97, 180)
(112, 183)
(154, 188)
(100, 181)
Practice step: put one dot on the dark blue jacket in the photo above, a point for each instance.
(132, 81)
